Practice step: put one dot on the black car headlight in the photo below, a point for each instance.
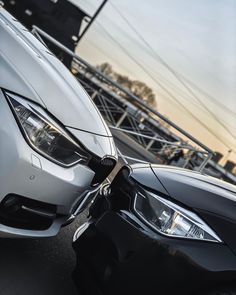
(171, 219)
(44, 134)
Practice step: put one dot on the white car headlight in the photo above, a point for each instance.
(44, 134)
(172, 220)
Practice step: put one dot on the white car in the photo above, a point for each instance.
(55, 148)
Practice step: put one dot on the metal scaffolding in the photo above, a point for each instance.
(129, 116)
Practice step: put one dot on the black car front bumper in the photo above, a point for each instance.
(118, 253)
(122, 256)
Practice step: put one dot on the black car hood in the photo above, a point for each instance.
(198, 191)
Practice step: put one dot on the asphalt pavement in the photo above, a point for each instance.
(43, 266)
(38, 266)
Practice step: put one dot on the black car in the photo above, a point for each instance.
(159, 230)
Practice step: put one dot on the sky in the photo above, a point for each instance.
(195, 38)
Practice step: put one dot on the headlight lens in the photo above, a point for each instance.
(44, 134)
(172, 220)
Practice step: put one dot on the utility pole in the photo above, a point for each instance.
(92, 20)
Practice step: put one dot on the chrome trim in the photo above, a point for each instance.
(85, 198)
(39, 212)
(81, 230)
(105, 189)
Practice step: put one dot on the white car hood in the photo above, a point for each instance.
(30, 70)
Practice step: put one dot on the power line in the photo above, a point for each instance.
(160, 77)
(203, 108)
(174, 73)
(207, 95)
(162, 86)
(210, 97)
(106, 54)
(177, 89)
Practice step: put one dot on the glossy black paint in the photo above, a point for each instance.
(198, 191)
(123, 255)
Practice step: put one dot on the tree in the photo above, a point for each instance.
(141, 90)
(106, 69)
(138, 88)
